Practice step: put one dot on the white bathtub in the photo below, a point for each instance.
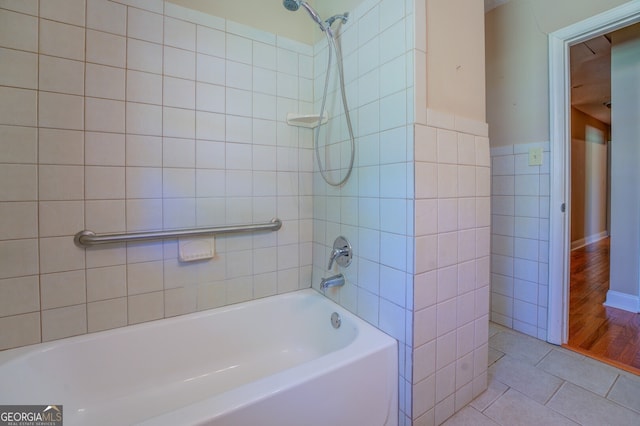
(274, 361)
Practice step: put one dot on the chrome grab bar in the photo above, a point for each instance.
(88, 238)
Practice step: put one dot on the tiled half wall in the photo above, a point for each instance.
(520, 239)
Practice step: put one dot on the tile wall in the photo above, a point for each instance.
(374, 209)
(451, 283)
(139, 115)
(520, 239)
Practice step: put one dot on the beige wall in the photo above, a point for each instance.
(517, 64)
(625, 175)
(271, 16)
(455, 58)
(588, 178)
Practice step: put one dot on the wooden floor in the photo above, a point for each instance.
(608, 334)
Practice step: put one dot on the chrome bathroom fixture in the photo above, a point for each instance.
(332, 281)
(88, 238)
(342, 253)
(326, 27)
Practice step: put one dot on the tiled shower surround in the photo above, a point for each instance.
(520, 239)
(127, 118)
(135, 115)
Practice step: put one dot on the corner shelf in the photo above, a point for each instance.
(306, 120)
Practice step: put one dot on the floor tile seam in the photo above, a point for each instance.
(619, 405)
(494, 401)
(558, 412)
(536, 402)
(542, 368)
(484, 415)
(555, 392)
(537, 364)
(612, 386)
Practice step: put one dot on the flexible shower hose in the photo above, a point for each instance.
(332, 46)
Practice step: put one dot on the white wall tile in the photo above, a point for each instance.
(240, 76)
(18, 220)
(179, 212)
(64, 322)
(143, 151)
(145, 307)
(212, 126)
(63, 289)
(447, 215)
(107, 16)
(105, 216)
(179, 93)
(179, 123)
(527, 185)
(178, 183)
(178, 33)
(19, 296)
(210, 154)
(18, 258)
(18, 31)
(211, 69)
(18, 182)
(178, 152)
(105, 82)
(21, 330)
(104, 183)
(144, 182)
(106, 49)
(393, 180)
(58, 218)
(211, 41)
(106, 283)
(105, 115)
(60, 111)
(447, 181)
(61, 75)
(239, 49)
(18, 69)
(143, 119)
(104, 149)
(18, 144)
(144, 214)
(62, 40)
(58, 254)
(144, 56)
(145, 25)
(67, 11)
(210, 97)
(106, 314)
(18, 107)
(179, 63)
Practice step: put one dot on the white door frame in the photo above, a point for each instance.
(560, 137)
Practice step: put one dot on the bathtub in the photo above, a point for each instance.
(273, 361)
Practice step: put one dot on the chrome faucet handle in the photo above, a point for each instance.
(341, 253)
(336, 253)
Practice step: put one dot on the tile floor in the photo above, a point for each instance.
(532, 382)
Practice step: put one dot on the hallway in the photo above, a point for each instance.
(607, 334)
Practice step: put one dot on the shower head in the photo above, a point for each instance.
(294, 5)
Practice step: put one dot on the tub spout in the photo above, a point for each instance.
(333, 281)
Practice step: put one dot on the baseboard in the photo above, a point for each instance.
(588, 240)
(624, 301)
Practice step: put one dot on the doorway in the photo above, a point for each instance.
(560, 120)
